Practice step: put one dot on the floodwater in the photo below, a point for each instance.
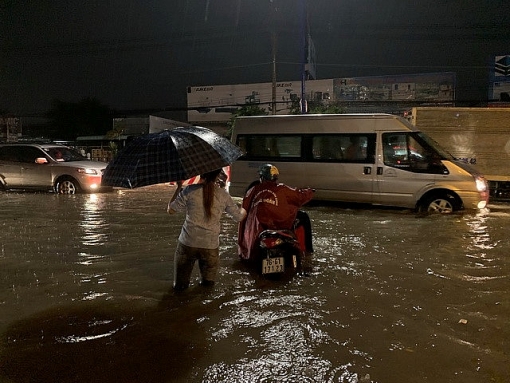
(85, 296)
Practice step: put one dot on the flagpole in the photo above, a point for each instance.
(303, 58)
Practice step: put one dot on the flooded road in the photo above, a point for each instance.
(85, 296)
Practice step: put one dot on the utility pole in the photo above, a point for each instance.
(273, 54)
(273, 77)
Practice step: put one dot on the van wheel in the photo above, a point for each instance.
(441, 204)
(67, 185)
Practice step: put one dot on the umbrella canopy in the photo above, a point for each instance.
(170, 155)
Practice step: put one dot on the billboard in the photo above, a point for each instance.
(408, 87)
(216, 103)
(499, 87)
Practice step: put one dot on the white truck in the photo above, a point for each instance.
(143, 125)
(479, 136)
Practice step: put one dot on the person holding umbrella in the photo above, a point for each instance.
(204, 204)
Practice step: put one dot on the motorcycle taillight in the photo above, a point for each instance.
(270, 242)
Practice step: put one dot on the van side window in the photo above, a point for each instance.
(344, 148)
(327, 147)
(356, 148)
(395, 150)
(402, 150)
(268, 146)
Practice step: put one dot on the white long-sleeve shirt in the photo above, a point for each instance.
(197, 230)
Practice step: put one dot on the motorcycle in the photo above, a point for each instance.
(283, 251)
(277, 251)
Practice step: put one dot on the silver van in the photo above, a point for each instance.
(378, 159)
(48, 167)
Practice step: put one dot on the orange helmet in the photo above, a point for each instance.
(269, 172)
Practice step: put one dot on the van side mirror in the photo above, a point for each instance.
(41, 160)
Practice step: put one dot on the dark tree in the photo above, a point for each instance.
(245, 110)
(69, 120)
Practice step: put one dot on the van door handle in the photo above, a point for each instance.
(367, 170)
(379, 170)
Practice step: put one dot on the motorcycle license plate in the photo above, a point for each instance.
(273, 265)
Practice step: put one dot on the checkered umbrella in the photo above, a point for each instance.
(171, 155)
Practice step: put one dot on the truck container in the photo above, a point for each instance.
(478, 136)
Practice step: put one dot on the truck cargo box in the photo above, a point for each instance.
(480, 136)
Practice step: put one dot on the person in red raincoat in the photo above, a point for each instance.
(270, 205)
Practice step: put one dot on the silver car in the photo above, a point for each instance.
(53, 167)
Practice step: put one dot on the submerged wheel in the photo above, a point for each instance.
(67, 186)
(441, 204)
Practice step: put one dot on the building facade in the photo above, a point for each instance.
(216, 103)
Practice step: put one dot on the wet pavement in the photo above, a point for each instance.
(85, 296)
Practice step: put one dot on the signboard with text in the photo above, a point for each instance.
(499, 87)
(218, 102)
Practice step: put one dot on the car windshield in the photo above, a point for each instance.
(65, 154)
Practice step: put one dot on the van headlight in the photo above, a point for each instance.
(481, 184)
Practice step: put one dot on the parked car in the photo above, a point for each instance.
(53, 167)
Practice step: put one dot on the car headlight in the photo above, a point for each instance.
(88, 171)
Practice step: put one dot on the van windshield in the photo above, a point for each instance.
(435, 146)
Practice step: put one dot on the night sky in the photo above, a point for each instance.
(142, 54)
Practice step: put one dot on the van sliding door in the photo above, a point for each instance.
(344, 166)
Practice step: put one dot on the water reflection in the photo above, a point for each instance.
(281, 338)
(93, 222)
(85, 295)
(93, 324)
(87, 259)
(100, 343)
(481, 266)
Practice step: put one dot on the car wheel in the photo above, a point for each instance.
(441, 204)
(67, 186)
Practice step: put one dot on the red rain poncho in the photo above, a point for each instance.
(269, 206)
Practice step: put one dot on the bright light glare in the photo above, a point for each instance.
(87, 171)
(482, 204)
(481, 184)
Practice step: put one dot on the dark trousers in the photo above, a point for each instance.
(184, 261)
